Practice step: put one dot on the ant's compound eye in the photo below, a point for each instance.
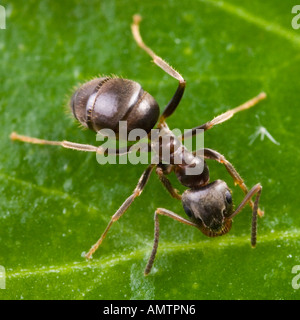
(187, 210)
(228, 197)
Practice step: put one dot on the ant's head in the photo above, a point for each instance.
(210, 207)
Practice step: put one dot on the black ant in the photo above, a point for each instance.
(103, 102)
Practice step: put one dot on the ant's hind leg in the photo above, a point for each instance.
(70, 145)
(170, 214)
(174, 102)
(137, 191)
(65, 144)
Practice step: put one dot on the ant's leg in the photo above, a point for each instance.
(172, 105)
(172, 215)
(214, 155)
(69, 145)
(225, 116)
(165, 181)
(255, 190)
(137, 191)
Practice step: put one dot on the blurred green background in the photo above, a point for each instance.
(55, 203)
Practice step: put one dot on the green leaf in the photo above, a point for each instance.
(55, 203)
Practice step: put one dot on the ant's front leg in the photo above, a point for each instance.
(167, 184)
(255, 190)
(170, 214)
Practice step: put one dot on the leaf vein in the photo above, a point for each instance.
(113, 260)
(254, 19)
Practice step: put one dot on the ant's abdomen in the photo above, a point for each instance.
(103, 102)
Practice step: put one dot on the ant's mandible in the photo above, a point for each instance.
(103, 102)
